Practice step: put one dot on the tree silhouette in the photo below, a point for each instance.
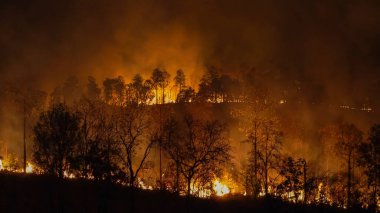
(348, 139)
(209, 87)
(32, 102)
(269, 151)
(160, 79)
(114, 90)
(203, 147)
(186, 95)
(369, 160)
(57, 133)
(71, 90)
(132, 123)
(261, 127)
(291, 170)
(180, 79)
(139, 91)
(252, 119)
(93, 90)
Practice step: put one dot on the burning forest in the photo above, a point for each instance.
(248, 104)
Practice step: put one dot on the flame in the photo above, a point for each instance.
(1, 165)
(142, 185)
(68, 175)
(220, 188)
(29, 168)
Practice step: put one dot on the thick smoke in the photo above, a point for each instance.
(328, 49)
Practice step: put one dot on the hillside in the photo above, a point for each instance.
(33, 193)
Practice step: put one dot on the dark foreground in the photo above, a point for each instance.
(31, 193)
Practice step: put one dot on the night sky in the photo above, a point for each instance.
(329, 46)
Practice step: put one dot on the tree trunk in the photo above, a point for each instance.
(24, 138)
(188, 187)
(177, 179)
(60, 170)
(256, 189)
(349, 181)
(304, 183)
(266, 179)
(156, 96)
(188, 195)
(160, 162)
(163, 95)
(266, 163)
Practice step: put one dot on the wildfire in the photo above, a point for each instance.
(220, 188)
(68, 175)
(142, 185)
(29, 168)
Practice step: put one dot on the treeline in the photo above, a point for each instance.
(161, 87)
(271, 170)
(124, 132)
(112, 141)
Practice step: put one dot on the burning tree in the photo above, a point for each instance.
(31, 101)
(172, 136)
(95, 155)
(369, 160)
(114, 91)
(180, 80)
(160, 80)
(269, 152)
(260, 125)
(93, 91)
(252, 120)
(348, 139)
(132, 123)
(139, 90)
(186, 95)
(209, 87)
(199, 151)
(57, 133)
(292, 184)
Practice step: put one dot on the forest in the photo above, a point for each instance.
(226, 138)
(190, 106)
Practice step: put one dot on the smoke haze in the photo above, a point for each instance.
(328, 49)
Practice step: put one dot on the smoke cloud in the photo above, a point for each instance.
(328, 49)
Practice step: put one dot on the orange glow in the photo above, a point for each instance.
(29, 168)
(1, 165)
(220, 188)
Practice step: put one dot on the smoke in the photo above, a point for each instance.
(320, 41)
(327, 49)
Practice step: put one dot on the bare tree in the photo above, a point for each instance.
(160, 79)
(172, 138)
(348, 139)
(203, 147)
(269, 151)
(252, 118)
(32, 102)
(132, 123)
(291, 171)
(260, 126)
(369, 160)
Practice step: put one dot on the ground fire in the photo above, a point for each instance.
(191, 101)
